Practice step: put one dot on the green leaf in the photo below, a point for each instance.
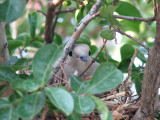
(101, 108)
(107, 34)
(84, 40)
(4, 103)
(127, 52)
(107, 12)
(33, 23)
(11, 10)
(83, 104)
(7, 74)
(78, 84)
(79, 14)
(127, 9)
(123, 65)
(20, 64)
(31, 105)
(43, 66)
(57, 39)
(13, 44)
(101, 82)
(28, 85)
(137, 78)
(37, 44)
(61, 99)
(66, 3)
(74, 116)
(103, 22)
(12, 60)
(8, 114)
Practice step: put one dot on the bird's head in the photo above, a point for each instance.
(81, 52)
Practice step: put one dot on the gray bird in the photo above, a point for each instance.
(77, 61)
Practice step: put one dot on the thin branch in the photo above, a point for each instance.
(65, 11)
(130, 66)
(55, 21)
(49, 20)
(94, 59)
(155, 8)
(84, 22)
(134, 18)
(129, 36)
(42, 13)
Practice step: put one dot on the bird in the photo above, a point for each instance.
(78, 59)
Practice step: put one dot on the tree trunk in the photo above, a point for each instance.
(4, 55)
(151, 79)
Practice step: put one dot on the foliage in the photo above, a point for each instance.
(31, 92)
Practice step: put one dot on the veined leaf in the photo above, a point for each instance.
(44, 61)
(106, 77)
(61, 99)
(11, 10)
(31, 105)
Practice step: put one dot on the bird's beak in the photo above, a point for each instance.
(83, 58)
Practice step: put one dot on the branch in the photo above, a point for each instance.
(84, 22)
(55, 21)
(42, 13)
(130, 66)
(65, 11)
(49, 18)
(135, 18)
(129, 36)
(4, 54)
(94, 59)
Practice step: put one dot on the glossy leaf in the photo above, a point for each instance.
(83, 104)
(33, 23)
(101, 82)
(101, 108)
(31, 105)
(7, 74)
(28, 85)
(107, 34)
(61, 99)
(8, 114)
(127, 52)
(43, 66)
(11, 10)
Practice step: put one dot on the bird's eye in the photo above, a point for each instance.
(89, 53)
(70, 53)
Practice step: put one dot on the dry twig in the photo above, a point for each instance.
(129, 36)
(94, 59)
